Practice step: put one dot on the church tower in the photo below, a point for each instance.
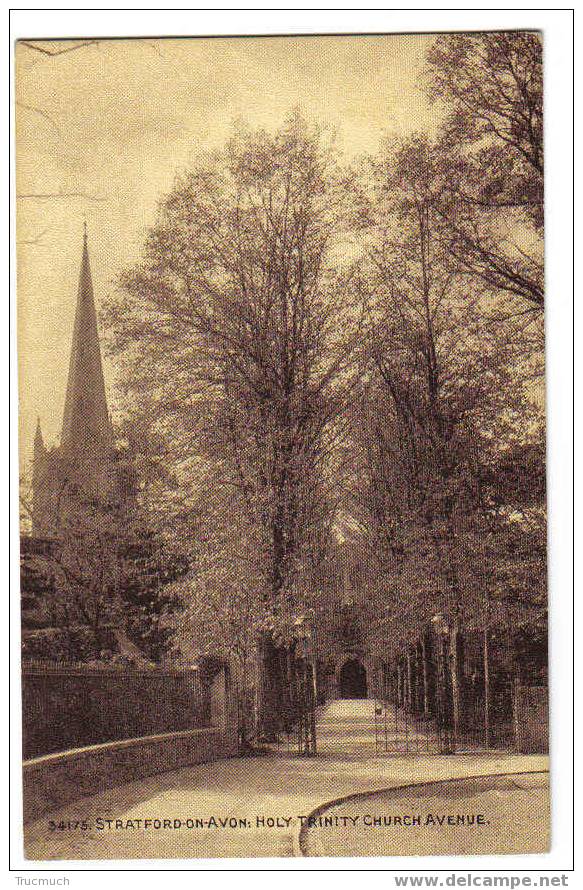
(84, 466)
(38, 480)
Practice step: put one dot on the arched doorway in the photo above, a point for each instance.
(352, 679)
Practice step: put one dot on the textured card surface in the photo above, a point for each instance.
(282, 446)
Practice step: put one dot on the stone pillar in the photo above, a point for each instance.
(225, 706)
(219, 699)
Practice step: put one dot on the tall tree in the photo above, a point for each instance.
(231, 331)
(440, 401)
(490, 86)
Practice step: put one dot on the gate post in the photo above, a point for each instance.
(224, 707)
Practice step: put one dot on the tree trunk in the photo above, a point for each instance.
(486, 689)
(270, 699)
(409, 700)
(456, 662)
(425, 670)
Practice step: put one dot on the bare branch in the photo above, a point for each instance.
(48, 196)
(57, 52)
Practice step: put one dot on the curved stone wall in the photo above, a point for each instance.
(54, 780)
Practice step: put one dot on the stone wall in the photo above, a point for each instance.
(531, 719)
(55, 780)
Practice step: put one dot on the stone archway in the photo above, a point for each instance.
(353, 679)
(352, 676)
(369, 665)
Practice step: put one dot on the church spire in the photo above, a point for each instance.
(39, 445)
(86, 424)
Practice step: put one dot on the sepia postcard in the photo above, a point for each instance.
(282, 446)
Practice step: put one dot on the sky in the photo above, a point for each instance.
(102, 129)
